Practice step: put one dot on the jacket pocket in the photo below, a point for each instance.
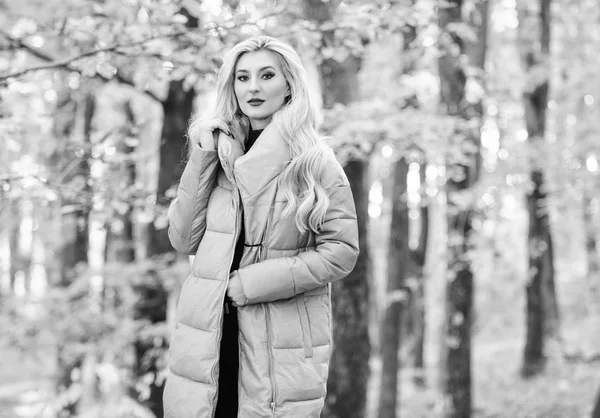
(305, 325)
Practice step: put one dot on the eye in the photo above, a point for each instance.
(268, 76)
(242, 78)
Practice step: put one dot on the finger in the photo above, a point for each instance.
(213, 124)
(220, 124)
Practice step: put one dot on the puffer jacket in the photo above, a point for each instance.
(285, 328)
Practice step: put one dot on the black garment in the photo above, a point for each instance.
(252, 137)
(227, 401)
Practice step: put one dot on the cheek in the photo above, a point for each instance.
(280, 92)
(237, 91)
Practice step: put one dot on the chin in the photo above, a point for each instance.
(253, 114)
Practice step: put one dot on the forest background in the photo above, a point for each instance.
(467, 128)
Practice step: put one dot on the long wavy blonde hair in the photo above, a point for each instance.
(297, 120)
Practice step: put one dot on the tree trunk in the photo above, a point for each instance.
(396, 293)
(349, 371)
(177, 109)
(76, 208)
(416, 271)
(596, 411)
(152, 306)
(591, 223)
(405, 308)
(415, 267)
(153, 303)
(75, 212)
(542, 306)
(14, 239)
(456, 347)
(119, 245)
(591, 211)
(20, 255)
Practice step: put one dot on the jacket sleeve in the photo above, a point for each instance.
(333, 257)
(187, 213)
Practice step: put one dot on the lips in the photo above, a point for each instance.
(255, 102)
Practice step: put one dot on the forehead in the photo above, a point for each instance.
(255, 60)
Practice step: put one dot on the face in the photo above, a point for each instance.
(260, 87)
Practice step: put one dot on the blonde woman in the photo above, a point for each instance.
(268, 213)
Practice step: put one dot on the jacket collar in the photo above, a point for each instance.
(252, 171)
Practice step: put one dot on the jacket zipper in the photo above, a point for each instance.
(262, 256)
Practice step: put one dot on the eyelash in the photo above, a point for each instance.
(243, 78)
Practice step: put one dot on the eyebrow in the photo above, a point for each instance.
(262, 69)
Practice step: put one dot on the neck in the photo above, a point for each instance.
(258, 124)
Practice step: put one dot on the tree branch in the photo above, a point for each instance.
(68, 63)
(160, 56)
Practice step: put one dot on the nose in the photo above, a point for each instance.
(254, 87)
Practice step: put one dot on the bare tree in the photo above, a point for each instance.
(396, 294)
(463, 174)
(542, 307)
(20, 261)
(349, 371)
(75, 115)
(405, 309)
(119, 246)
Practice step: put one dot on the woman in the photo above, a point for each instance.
(268, 213)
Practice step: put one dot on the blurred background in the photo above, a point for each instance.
(467, 128)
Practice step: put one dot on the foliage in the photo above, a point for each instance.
(94, 317)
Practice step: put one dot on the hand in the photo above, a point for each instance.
(235, 290)
(202, 132)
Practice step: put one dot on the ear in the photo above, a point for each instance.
(288, 95)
